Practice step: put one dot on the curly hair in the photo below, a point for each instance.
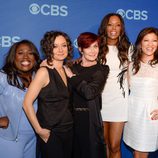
(13, 73)
(123, 43)
(47, 45)
(137, 54)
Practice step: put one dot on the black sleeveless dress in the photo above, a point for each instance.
(53, 104)
(54, 113)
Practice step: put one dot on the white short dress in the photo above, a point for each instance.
(114, 103)
(140, 132)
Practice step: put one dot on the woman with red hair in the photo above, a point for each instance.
(87, 80)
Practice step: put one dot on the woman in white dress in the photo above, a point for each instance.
(141, 130)
(115, 48)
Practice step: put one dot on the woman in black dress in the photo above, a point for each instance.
(54, 121)
(87, 80)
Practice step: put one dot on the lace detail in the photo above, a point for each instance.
(145, 71)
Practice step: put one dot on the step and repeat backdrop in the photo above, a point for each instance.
(30, 19)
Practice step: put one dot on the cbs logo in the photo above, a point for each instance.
(46, 9)
(7, 41)
(133, 14)
(75, 44)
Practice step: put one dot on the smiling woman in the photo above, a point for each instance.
(87, 80)
(53, 122)
(24, 58)
(141, 130)
(115, 51)
(17, 136)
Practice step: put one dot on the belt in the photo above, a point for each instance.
(81, 109)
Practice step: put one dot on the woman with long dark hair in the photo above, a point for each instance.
(141, 130)
(114, 48)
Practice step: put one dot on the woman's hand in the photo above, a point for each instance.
(68, 72)
(4, 122)
(154, 114)
(44, 134)
(44, 63)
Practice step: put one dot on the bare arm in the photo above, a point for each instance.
(41, 80)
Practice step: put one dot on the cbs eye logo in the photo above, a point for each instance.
(34, 8)
(133, 14)
(46, 9)
(75, 43)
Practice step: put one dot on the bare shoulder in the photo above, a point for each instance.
(42, 71)
(42, 76)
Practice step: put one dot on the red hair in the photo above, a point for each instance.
(85, 39)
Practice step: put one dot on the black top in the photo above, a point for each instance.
(53, 104)
(87, 86)
(88, 83)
